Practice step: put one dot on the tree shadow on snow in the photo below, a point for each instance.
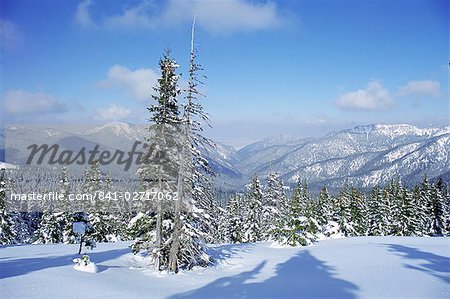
(435, 265)
(302, 276)
(22, 266)
(222, 253)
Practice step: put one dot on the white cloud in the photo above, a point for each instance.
(425, 88)
(113, 113)
(213, 16)
(138, 83)
(19, 102)
(82, 15)
(373, 97)
(225, 16)
(135, 17)
(10, 36)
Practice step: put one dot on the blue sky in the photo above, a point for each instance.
(301, 68)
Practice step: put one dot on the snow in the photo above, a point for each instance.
(393, 131)
(135, 219)
(4, 165)
(89, 267)
(118, 129)
(363, 267)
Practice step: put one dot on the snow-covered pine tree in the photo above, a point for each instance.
(55, 225)
(51, 228)
(426, 204)
(358, 210)
(117, 210)
(7, 235)
(446, 193)
(252, 213)
(157, 170)
(272, 203)
(408, 223)
(90, 185)
(234, 220)
(438, 211)
(395, 199)
(342, 212)
(309, 211)
(194, 224)
(323, 213)
(218, 225)
(375, 213)
(22, 222)
(66, 206)
(105, 223)
(108, 182)
(141, 229)
(388, 206)
(324, 208)
(420, 212)
(94, 182)
(295, 228)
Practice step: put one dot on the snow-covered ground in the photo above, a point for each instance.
(366, 267)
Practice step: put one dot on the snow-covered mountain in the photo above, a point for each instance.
(364, 155)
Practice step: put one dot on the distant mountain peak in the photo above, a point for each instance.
(395, 130)
(127, 130)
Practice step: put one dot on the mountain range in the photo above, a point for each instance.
(364, 156)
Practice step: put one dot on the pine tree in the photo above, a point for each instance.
(408, 224)
(66, 206)
(375, 213)
(55, 224)
(7, 235)
(437, 211)
(426, 204)
(193, 225)
(234, 223)
(51, 228)
(358, 212)
(252, 219)
(420, 212)
(159, 169)
(181, 227)
(324, 207)
(343, 213)
(141, 228)
(272, 202)
(388, 207)
(446, 193)
(105, 223)
(219, 232)
(323, 212)
(395, 199)
(298, 227)
(165, 111)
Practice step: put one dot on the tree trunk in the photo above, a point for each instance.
(184, 158)
(176, 234)
(158, 230)
(175, 246)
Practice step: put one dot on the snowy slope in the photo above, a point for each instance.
(366, 267)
